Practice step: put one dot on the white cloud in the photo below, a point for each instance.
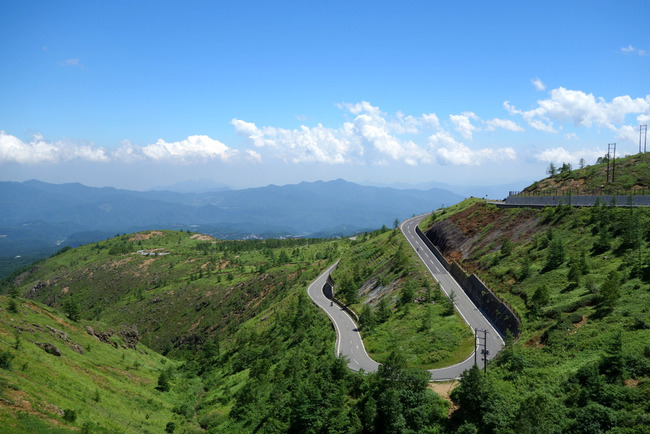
(250, 130)
(371, 136)
(581, 109)
(506, 124)
(254, 156)
(561, 155)
(631, 49)
(539, 85)
(449, 150)
(191, 149)
(39, 150)
(463, 124)
(571, 136)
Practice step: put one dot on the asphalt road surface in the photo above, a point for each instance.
(348, 338)
(470, 313)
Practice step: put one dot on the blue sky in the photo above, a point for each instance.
(140, 94)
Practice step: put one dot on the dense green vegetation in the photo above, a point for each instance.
(251, 344)
(580, 279)
(179, 289)
(251, 353)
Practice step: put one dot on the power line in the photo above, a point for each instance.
(611, 155)
(643, 134)
(481, 342)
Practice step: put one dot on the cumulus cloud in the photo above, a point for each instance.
(40, 150)
(581, 109)
(505, 124)
(463, 124)
(191, 149)
(450, 151)
(372, 135)
(561, 155)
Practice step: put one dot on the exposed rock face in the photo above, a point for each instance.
(35, 288)
(49, 348)
(76, 348)
(446, 236)
(131, 337)
(58, 333)
(100, 336)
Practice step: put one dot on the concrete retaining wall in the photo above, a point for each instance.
(633, 200)
(497, 311)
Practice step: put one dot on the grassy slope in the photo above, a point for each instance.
(201, 289)
(110, 389)
(576, 327)
(205, 288)
(631, 176)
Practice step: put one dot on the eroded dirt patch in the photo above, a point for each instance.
(444, 388)
(202, 237)
(145, 236)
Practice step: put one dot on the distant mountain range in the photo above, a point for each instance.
(41, 217)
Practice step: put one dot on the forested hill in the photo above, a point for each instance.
(248, 351)
(580, 280)
(256, 354)
(37, 219)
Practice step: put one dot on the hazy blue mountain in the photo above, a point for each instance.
(193, 186)
(37, 216)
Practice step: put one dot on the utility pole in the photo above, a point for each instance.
(643, 134)
(481, 342)
(611, 155)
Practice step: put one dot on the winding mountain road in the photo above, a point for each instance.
(465, 307)
(348, 338)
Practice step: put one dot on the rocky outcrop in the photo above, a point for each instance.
(100, 336)
(58, 333)
(49, 348)
(76, 348)
(131, 337)
(446, 236)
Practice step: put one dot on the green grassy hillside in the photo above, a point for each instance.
(252, 345)
(92, 385)
(253, 354)
(580, 280)
(627, 175)
(178, 289)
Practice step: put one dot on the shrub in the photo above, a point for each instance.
(163, 382)
(13, 306)
(69, 415)
(5, 359)
(71, 308)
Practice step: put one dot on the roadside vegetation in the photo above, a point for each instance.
(580, 280)
(167, 331)
(399, 304)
